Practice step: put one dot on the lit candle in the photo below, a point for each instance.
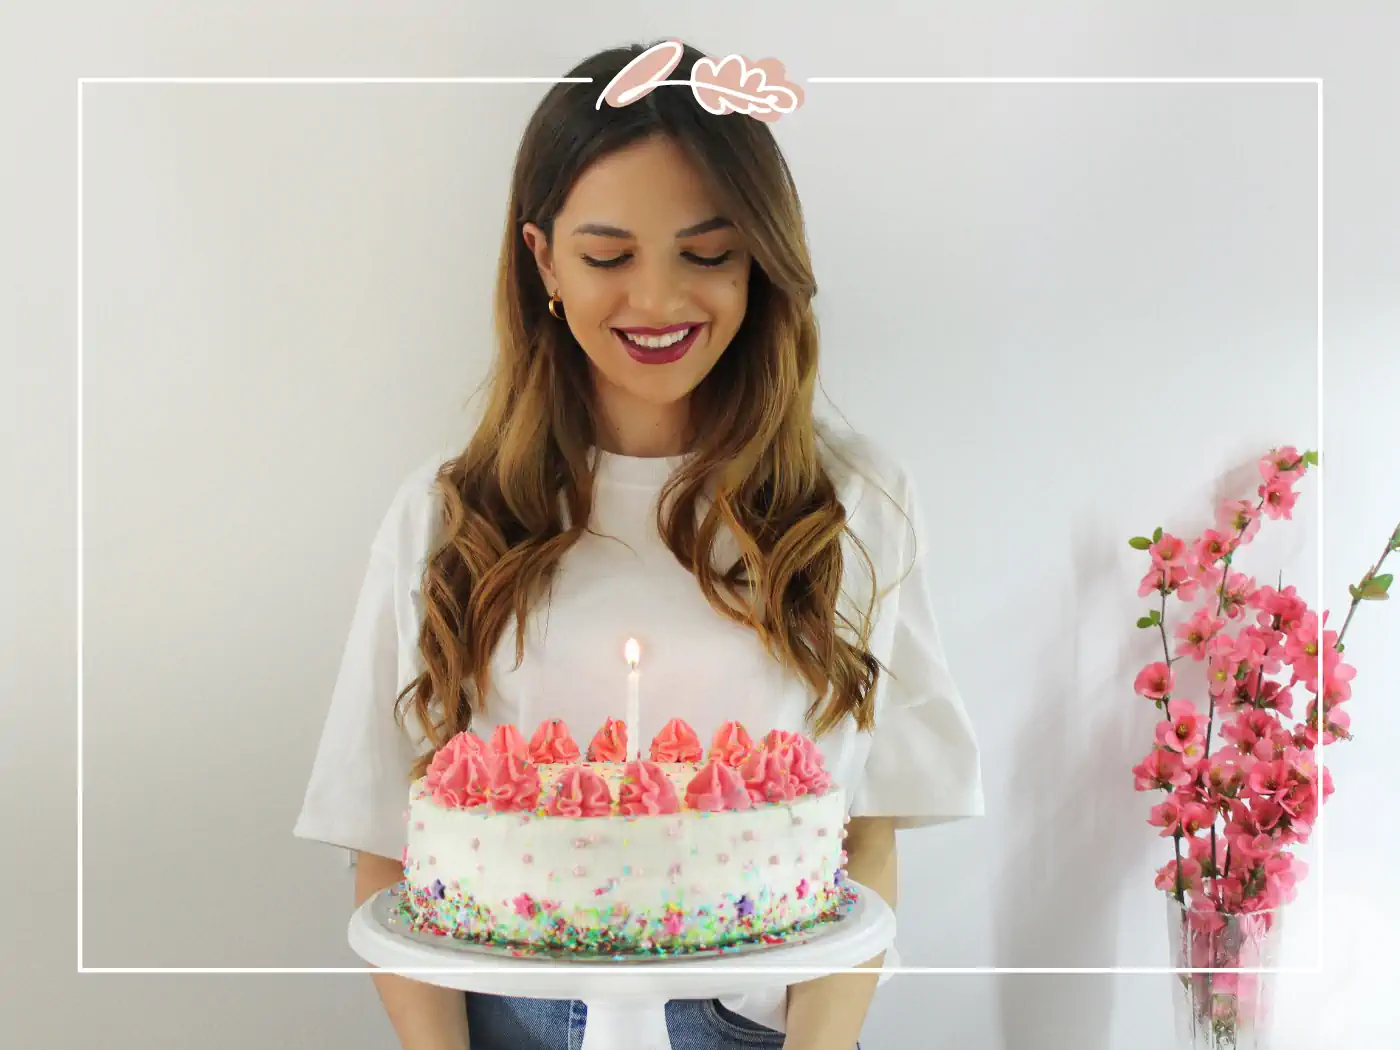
(634, 701)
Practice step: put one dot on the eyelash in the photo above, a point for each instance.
(700, 260)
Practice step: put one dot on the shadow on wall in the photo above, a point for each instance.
(1078, 827)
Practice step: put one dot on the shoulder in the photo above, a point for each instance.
(873, 483)
(413, 520)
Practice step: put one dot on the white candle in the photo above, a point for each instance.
(634, 701)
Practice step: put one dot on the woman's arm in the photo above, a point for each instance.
(424, 1016)
(827, 1013)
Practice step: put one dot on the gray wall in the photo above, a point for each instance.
(1077, 310)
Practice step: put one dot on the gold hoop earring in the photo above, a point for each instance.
(558, 314)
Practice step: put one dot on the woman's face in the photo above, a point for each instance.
(653, 278)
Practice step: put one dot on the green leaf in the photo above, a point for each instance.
(1139, 543)
(1375, 590)
(1384, 579)
(1157, 534)
(1354, 591)
(1146, 621)
(1310, 457)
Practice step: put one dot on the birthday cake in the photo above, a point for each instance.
(536, 847)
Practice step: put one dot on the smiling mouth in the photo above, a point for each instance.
(656, 347)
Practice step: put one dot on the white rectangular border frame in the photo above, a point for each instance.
(82, 83)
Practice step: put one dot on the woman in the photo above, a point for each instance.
(649, 466)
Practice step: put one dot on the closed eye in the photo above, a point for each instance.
(699, 260)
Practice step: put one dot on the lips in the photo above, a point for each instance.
(665, 347)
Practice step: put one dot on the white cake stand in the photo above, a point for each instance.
(626, 1000)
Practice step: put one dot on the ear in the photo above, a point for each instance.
(538, 245)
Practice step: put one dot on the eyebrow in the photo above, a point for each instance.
(719, 222)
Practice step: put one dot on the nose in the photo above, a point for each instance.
(657, 290)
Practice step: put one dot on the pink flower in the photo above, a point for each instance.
(1190, 876)
(1171, 570)
(1184, 726)
(1336, 684)
(1197, 632)
(1284, 605)
(1225, 775)
(1257, 734)
(1154, 681)
(1223, 660)
(1278, 497)
(1302, 646)
(1175, 816)
(1239, 588)
(1162, 769)
(1284, 463)
(1238, 517)
(1266, 778)
(1274, 696)
(1210, 548)
(525, 906)
(1199, 850)
(1246, 851)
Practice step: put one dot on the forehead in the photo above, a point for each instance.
(650, 188)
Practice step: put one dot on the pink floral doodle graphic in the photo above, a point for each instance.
(732, 85)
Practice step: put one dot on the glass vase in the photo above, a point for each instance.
(1222, 1011)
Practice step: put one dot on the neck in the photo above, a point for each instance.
(630, 426)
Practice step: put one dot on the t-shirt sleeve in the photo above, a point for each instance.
(923, 766)
(357, 795)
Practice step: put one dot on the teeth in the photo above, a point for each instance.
(658, 342)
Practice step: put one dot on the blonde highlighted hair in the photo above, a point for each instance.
(521, 493)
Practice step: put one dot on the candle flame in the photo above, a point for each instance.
(633, 652)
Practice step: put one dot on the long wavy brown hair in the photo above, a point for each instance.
(521, 493)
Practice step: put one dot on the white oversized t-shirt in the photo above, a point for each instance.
(920, 764)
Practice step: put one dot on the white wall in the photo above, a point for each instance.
(1079, 311)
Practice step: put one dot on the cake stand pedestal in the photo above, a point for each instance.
(626, 1000)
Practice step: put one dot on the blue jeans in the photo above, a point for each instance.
(499, 1022)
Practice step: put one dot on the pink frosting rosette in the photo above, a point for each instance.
(646, 791)
(458, 778)
(506, 740)
(676, 742)
(552, 743)
(780, 740)
(807, 767)
(609, 743)
(515, 784)
(768, 775)
(580, 792)
(731, 744)
(717, 788)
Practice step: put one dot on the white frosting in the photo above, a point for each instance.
(610, 873)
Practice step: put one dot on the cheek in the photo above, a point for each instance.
(727, 299)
